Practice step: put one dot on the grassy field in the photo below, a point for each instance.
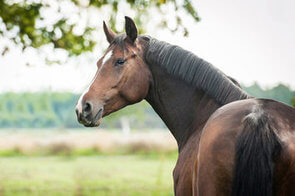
(80, 163)
(88, 175)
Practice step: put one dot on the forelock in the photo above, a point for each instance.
(120, 41)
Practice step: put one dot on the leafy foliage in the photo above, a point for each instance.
(26, 22)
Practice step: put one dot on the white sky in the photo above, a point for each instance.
(248, 40)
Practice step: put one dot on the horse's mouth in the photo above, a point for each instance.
(93, 122)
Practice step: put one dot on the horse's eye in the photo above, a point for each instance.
(119, 62)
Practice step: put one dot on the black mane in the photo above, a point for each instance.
(194, 70)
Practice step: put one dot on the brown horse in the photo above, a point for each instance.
(228, 142)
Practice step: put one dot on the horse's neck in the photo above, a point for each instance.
(183, 109)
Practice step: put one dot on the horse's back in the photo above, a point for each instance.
(224, 129)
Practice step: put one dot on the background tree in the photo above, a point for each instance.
(36, 23)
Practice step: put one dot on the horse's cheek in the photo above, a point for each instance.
(136, 88)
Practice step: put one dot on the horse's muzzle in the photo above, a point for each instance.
(90, 115)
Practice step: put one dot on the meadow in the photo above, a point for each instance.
(95, 175)
(66, 162)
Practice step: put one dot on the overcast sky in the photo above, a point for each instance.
(248, 40)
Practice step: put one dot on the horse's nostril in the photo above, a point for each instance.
(87, 108)
(77, 112)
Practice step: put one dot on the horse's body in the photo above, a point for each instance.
(228, 142)
(260, 133)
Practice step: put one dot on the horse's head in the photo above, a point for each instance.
(122, 77)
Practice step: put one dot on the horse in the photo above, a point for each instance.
(229, 143)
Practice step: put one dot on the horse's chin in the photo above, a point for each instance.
(93, 124)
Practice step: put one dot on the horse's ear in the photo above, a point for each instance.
(108, 32)
(130, 28)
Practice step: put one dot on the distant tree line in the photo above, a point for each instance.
(280, 93)
(37, 109)
(45, 109)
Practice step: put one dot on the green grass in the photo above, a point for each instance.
(91, 175)
(15, 152)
